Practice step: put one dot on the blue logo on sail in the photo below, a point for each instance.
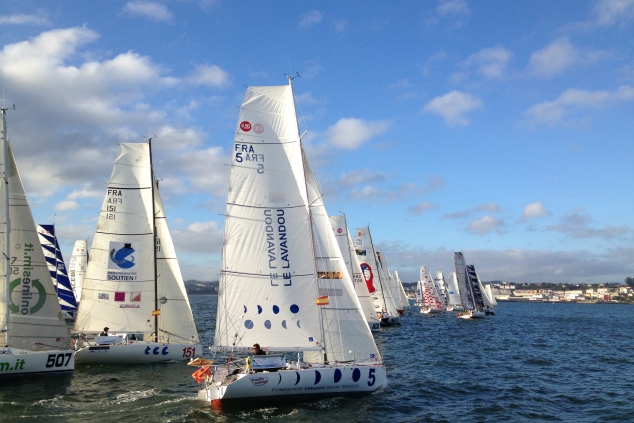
(122, 257)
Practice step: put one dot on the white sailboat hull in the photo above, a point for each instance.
(18, 362)
(297, 385)
(136, 353)
(431, 310)
(455, 308)
(474, 315)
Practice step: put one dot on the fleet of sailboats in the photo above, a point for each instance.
(292, 280)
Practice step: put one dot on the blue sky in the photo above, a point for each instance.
(501, 129)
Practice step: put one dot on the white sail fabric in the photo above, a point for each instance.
(372, 273)
(268, 287)
(390, 281)
(118, 290)
(489, 292)
(453, 292)
(439, 281)
(347, 335)
(466, 293)
(77, 266)
(344, 240)
(419, 292)
(431, 298)
(176, 321)
(34, 312)
(401, 290)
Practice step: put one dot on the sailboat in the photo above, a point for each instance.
(283, 281)
(77, 266)
(401, 290)
(375, 278)
(133, 283)
(431, 299)
(391, 283)
(34, 338)
(453, 294)
(474, 307)
(419, 294)
(441, 287)
(57, 269)
(344, 240)
(480, 291)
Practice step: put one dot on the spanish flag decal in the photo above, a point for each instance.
(156, 312)
(322, 301)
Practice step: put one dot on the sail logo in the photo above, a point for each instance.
(258, 128)
(122, 256)
(368, 275)
(259, 381)
(29, 290)
(122, 261)
(245, 126)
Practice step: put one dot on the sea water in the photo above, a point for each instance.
(532, 362)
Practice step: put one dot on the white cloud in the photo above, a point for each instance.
(609, 12)
(452, 7)
(487, 207)
(577, 225)
(553, 59)
(484, 225)
(535, 210)
(151, 10)
(66, 205)
(311, 18)
(554, 112)
(421, 208)
(199, 237)
(23, 20)
(453, 106)
(211, 76)
(341, 25)
(351, 133)
(490, 62)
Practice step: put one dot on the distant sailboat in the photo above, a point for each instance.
(133, 282)
(342, 235)
(474, 307)
(431, 299)
(77, 267)
(453, 294)
(57, 268)
(34, 338)
(375, 279)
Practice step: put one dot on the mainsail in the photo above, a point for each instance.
(57, 269)
(77, 266)
(30, 310)
(464, 286)
(283, 280)
(133, 282)
(340, 228)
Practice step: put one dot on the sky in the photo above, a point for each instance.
(501, 129)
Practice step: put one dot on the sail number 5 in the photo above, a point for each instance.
(372, 377)
(57, 360)
(189, 352)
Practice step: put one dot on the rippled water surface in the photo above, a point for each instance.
(531, 362)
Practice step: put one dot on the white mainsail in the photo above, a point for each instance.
(401, 290)
(344, 240)
(489, 292)
(464, 286)
(77, 266)
(431, 298)
(373, 275)
(391, 282)
(439, 281)
(30, 310)
(133, 282)
(453, 292)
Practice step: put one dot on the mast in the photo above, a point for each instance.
(7, 234)
(156, 317)
(310, 225)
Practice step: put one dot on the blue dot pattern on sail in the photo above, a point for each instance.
(249, 324)
(120, 257)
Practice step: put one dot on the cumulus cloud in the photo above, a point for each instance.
(421, 208)
(535, 210)
(23, 20)
(609, 12)
(148, 9)
(311, 18)
(484, 225)
(486, 207)
(577, 225)
(553, 59)
(490, 62)
(211, 76)
(351, 133)
(199, 237)
(573, 100)
(452, 7)
(453, 106)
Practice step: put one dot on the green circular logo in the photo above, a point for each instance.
(35, 283)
